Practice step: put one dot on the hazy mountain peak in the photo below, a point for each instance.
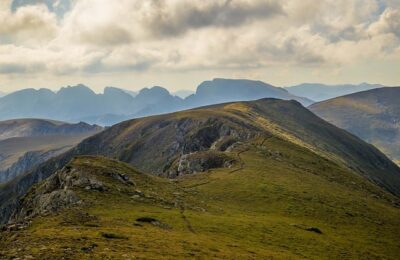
(29, 93)
(79, 89)
(156, 90)
(320, 92)
(221, 90)
(237, 84)
(114, 91)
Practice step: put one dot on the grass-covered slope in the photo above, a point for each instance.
(156, 144)
(278, 200)
(198, 140)
(372, 115)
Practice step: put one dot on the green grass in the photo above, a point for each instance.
(253, 212)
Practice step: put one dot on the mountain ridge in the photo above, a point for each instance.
(372, 115)
(94, 204)
(196, 140)
(319, 92)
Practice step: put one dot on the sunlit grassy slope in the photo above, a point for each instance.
(372, 115)
(262, 207)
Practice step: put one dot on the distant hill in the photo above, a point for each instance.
(80, 103)
(257, 179)
(25, 143)
(2, 94)
(372, 115)
(320, 92)
(228, 90)
(41, 127)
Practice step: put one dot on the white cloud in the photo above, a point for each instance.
(98, 36)
(389, 22)
(28, 24)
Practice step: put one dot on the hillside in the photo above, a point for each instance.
(319, 92)
(156, 144)
(277, 200)
(25, 143)
(372, 115)
(41, 127)
(196, 140)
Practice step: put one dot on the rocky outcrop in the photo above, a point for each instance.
(56, 193)
(200, 162)
(11, 192)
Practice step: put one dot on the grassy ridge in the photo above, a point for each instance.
(260, 208)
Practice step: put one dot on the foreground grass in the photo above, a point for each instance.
(256, 210)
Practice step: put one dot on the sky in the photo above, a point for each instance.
(178, 44)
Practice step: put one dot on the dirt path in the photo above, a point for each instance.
(182, 208)
(181, 204)
(186, 220)
(242, 163)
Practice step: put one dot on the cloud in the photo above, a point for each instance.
(29, 23)
(95, 36)
(389, 22)
(172, 18)
(13, 68)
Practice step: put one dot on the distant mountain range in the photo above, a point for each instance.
(80, 103)
(373, 115)
(320, 92)
(2, 94)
